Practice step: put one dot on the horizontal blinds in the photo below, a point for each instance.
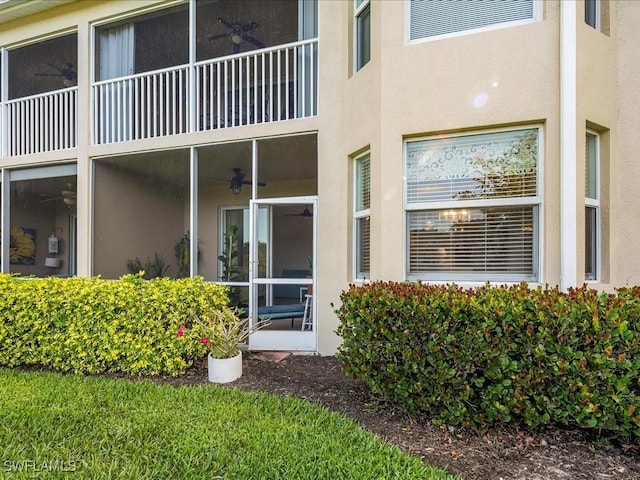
(472, 241)
(440, 17)
(591, 243)
(492, 165)
(363, 255)
(591, 167)
(363, 183)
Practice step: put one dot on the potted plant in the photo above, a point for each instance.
(221, 336)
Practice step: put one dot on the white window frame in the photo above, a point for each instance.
(594, 203)
(364, 213)
(537, 16)
(532, 201)
(358, 10)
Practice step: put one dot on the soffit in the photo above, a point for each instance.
(14, 9)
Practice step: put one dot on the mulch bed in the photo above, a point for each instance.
(498, 453)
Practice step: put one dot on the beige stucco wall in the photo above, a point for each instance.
(133, 219)
(625, 167)
(596, 101)
(425, 88)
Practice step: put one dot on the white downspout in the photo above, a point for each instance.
(193, 211)
(4, 89)
(4, 219)
(192, 126)
(4, 173)
(568, 146)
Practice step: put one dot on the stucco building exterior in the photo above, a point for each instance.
(316, 143)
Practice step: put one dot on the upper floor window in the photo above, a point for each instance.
(361, 216)
(362, 32)
(472, 206)
(430, 18)
(592, 13)
(596, 14)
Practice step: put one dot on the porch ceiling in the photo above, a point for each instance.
(14, 9)
(281, 159)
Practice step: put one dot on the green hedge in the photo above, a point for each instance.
(498, 354)
(89, 325)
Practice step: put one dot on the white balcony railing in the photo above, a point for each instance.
(268, 85)
(141, 106)
(42, 123)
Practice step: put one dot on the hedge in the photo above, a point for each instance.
(507, 354)
(89, 325)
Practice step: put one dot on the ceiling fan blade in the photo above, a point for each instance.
(51, 199)
(247, 27)
(249, 182)
(253, 41)
(218, 36)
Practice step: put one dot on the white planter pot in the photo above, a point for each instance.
(225, 370)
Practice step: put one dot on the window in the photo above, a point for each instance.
(362, 32)
(592, 13)
(430, 18)
(592, 207)
(472, 206)
(361, 216)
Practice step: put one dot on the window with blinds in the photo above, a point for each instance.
(472, 206)
(430, 18)
(592, 206)
(362, 214)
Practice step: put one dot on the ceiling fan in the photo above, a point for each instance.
(66, 71)
(238, 32)
(68, 196)
(239, 179)
(306, 213)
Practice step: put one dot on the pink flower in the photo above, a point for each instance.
(204, 340)
(212, 319)
(181, 330)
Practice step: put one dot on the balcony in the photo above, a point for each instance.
(39, 97)
(42, 123)
(261, 86)
(192, 67)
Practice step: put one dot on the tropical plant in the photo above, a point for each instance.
(152, 269)
(182, 251)
(221, 333)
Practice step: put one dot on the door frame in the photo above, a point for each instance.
(289, 340)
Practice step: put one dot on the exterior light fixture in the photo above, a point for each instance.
(236, 185)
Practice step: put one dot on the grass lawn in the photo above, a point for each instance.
(66, 426)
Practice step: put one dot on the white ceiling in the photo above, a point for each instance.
(13, 9)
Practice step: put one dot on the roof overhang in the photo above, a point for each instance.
(14, 9)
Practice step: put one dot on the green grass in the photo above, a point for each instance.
(104, 429)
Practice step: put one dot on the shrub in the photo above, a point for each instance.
(89, 325)
(498, 354)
